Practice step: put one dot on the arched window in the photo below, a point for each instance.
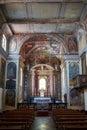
(42, 84)
(4, 42)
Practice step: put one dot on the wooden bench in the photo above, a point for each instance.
(75, 127)
(66, 118)
(12, 127)
(75, 123)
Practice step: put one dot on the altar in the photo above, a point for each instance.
(42, 99)
(42, 103)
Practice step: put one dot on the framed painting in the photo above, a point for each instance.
(72, 45)
(11, 70)
(73, 71)
(75, 97)
(10, 84)
(2, 74)
(12, 44)
(10, 97)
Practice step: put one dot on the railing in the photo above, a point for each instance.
(80, 81)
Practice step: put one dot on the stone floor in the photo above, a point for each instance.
(43, 123)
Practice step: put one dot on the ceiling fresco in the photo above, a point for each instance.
(51, 23)
(41, 49)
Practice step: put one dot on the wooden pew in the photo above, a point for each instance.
(12, 127)
(18, 119)
(66, 117)
(64, 124)
(75, 127)
(74, 120)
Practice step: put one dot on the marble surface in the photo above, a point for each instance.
(43, 123)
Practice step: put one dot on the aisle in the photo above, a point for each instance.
(43, 123)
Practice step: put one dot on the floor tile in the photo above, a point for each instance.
(43, 123)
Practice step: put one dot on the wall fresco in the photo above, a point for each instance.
(75, 97)
(11, 71)
(10, 97)
(12, 44)
(2, 73)
(73, 71)
(72, 45)
(10, 84)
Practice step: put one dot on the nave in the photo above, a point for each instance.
(27, 118)
(43, 123)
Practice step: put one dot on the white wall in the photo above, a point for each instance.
(1, 91)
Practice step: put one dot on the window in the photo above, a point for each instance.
(42, 84)
(4, 42)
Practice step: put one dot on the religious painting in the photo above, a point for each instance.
(81, 37)
(10, 97)
(1, 83)
(75, 97)
(72, 45)
(11, 70)
(12, 44)
(10, 84)
(2, 74)
(0, 79)
(3, 66)
(42, 58)
(83, 63)
(65, 97)
(73, 71)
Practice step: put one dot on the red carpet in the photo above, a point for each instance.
(42, 113)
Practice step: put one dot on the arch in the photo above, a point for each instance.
(49, 37)
(42, 83)
(42, 86)
(48, 66)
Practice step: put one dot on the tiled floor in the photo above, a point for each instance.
(43, 123)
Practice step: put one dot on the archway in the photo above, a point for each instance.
(42, 72)
(43, 51)
(42, 86)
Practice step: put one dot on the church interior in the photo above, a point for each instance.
(43, 64)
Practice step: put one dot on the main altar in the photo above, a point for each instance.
(42, 103)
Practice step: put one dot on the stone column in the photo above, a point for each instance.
(51, 84)
(85, 99)
(1, 103)
(30, 84)
(54, 85)
(21, 81)
(33, 82)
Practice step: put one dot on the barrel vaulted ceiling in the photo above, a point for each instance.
(43, 18)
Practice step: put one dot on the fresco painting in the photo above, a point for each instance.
(11, 71)
(1, 82)
(72, 45)
(12, 44)
(75, 97)
(73, 71)
(3, 65)
(10, 84)
(10, 97)
(2, 73)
